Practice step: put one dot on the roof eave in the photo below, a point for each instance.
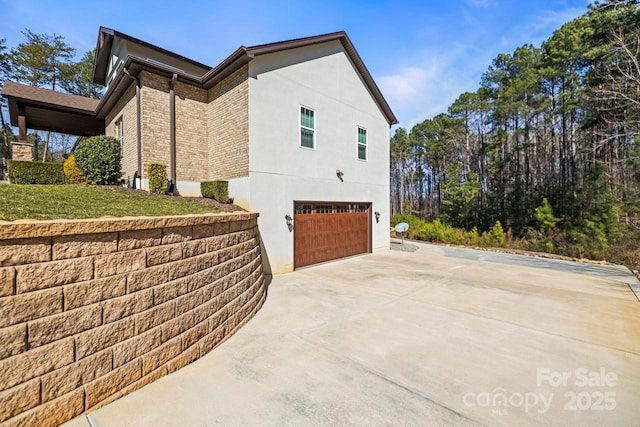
(131, 69)
(229, 65)
(59, 118)
(103, 51)
(11, 90)
(114, 91)
(295, 43)
(12, 104)
(371, 83)
(53, 107)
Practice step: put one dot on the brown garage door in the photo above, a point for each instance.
(324, 231)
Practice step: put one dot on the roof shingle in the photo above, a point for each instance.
(48, 96)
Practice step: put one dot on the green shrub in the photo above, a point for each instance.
(73, 172)
(496, 236)
(473, 237)
(218, 190)
(590, 240)
(436, 231)
(544, 216)
(157, 174)
(440, 232)
(414, 222)
(35, 172)
(99, 159)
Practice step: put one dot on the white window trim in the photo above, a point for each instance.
(315, 129)
(366, 144)
(120, 132)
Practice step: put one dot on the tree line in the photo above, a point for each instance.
(46, 61)
(553, 127)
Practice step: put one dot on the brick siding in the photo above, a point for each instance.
(192, 153)
(228, 126)
(155, 120)
(212, 127)
(125, 108)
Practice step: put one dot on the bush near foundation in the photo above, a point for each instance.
(21, 172)
(157, 174)
(73, 172)
(218, 190)
(99, 159)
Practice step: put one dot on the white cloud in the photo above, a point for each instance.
(408, 82)
(542, 25)
(426, 82)
(429, 86)
(409, 90)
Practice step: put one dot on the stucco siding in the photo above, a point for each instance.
(329, 85)
(322, 78)
(125, 109)
(228, 127)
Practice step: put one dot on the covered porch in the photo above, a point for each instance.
(36, 108)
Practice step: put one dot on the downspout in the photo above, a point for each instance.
(172, 135)
(139, 131)
(138, 175)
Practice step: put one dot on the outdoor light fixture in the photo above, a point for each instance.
(340, 174)
(289, 221)
(377, 214)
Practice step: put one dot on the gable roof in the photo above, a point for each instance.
(351, 51)
(50, 110)
(59, 100)
(106, 37)
(230, 64)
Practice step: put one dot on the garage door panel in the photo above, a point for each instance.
(324, 231)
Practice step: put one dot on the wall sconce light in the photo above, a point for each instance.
(340, 174)
(377, 214)
(289, 221)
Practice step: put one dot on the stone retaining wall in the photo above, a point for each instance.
(92, 310)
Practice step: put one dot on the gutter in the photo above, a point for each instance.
(138, 176)
(172, 135)
(244, 55)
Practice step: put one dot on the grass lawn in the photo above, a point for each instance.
(84, 201)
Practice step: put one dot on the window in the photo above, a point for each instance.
(324, 209)
(307, 128)
(115, 69)
(362, 144)
(304, 209)
(120, 132)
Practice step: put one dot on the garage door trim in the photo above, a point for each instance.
(326, 230)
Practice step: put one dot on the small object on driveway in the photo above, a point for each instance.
(402, 228)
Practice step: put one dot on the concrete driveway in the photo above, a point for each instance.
(439, 336)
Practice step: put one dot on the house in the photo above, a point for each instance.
(298, 128)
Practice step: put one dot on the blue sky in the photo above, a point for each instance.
(422, 54)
